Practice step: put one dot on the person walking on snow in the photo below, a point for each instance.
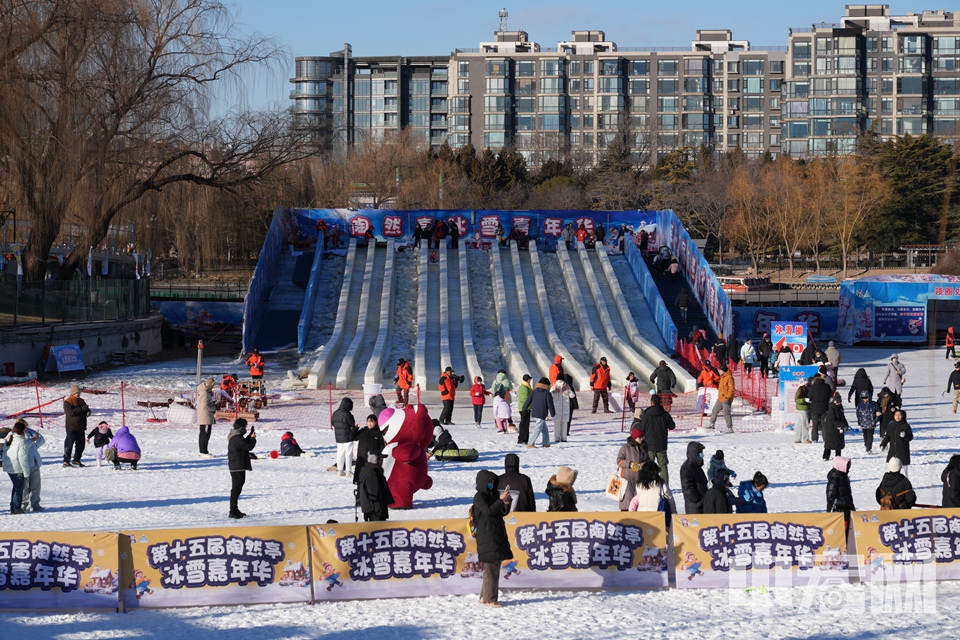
(726, 391)
(478, 396)
(102, 436)
(895, 490)
(631, 392)
(764, 351)
(664, 380)
(953, 384)
(75, 412)
(563, 399)
(16, 463)
(951, 483)
(523, 392)
(502, 381)
(839, 493)
(693, 481)
(403, 378)
(896, 375)
(493, 544)
(501, 411)
(206, 416)
(801, 430)
(633, 453)
(898, 436)
(835, 426)
(656, 423)
(868, 417)
(448, 393)
(556, 369)
(950, 344)
(683, 303)
(600, 381)
(345, 431)
(748, 356)
(540, 405)
(861, 382)
(820, 396)
(834, 357)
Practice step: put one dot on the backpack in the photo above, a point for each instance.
(471, 523)
(889, 501)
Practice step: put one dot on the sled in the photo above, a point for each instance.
(229, 416)
(154, 403)
(456, 455)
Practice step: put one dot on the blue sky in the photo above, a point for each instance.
(433, 27)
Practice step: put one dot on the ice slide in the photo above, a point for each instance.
(288, 279)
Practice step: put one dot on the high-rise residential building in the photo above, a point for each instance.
(818, 95)
(896, 74)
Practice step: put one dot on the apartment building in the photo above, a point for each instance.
(896, 74)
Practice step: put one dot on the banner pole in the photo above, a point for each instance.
(36, 386)
(330, 401)
(623, 409)
(123, 412)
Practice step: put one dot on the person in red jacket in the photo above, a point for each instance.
(478, 394)
(256, 364)
(951, 343)
(556, 370)
(600, 381)
(404, 380)
(448, 392)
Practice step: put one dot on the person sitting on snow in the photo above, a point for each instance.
(289, 446)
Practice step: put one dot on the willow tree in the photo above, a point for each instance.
(106, 101)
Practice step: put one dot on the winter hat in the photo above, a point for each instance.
(545, 381)
(603, 359)
(528, 378)
(437, 431)
(841, 464)
(830, 344)
(837, 399)
(208, 383)
(636, 433)
(894, 465)
(719, 454)
(956, 365)
(866, 394)
(557, 359)
(74, 390)
(566, 475)
(663, 363)
(374, 458)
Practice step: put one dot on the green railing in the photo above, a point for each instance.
(60, 301)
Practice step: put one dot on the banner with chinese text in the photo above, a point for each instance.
(759, 550)
(792, 335)
(907, 546)
(551, 550)
(191, 567)
(59, 570)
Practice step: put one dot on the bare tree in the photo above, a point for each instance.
(749, 222)
(820, 184)
(860, 194)
(783, 194)
(107, 101)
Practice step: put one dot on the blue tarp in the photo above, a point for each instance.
(891, 308)
(65, 358)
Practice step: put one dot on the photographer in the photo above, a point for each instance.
(239, 447)
(449, 381)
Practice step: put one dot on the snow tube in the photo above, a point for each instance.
(456, 455)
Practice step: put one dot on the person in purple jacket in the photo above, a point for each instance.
(127, 448)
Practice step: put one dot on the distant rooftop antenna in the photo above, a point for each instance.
(503, 20)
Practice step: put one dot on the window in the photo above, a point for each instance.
(610, 103)
(733, 140)
(495, 140)
(419, 119)
(639, 67)
(910, 126)
(801, 69)
(872, 44)
(886, 65)
(775, 84)
(668, 86)
(494, 121)
(575, 68)
(733, 66)
(872, 64)
(416, 104)
(753, 103)
(824, 46)
(391, 104)
(457, 140)
(847, 65)
(460, 123)
(733, 85)
(774, 122)
(640, 103)
(695, 66)
(551, 67)
(463, 85)
(389, 119)
(797, 129)
(668, 122)
(551, 122)
(946, 106)
(775, 103)
(946, 64)
(693, 103)
(609, 67)
(639, 87)
(886, 105)
(911, 44)
(463, 68)
(611, 85)
(668, 104)
(588, 85)
(588, 121)
(753, 121)
(497, 68)
(438, 86)
(526, 68)
(526, 105)
(733, 122)
(753, 85)
(886, 85)
(695, 85)
(946, 126)
(496, 103)
(734, 103)
(801, 50)
(668, 67)
(588, 67)
(526, 87)
(574, 103)
(460, 104)
(753, 67)
(946, 86)
(551, 104)
(609, 121)
(551, 85)
(696, 121)
(776, 66)
(910, 85)
(946, 44)
(574, 85)
(911, 64)
(910, 106)
(496, 85)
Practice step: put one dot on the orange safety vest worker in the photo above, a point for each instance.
(556, 370)
(601, 376)
(255, 362)
(404, 377)
(448, 390)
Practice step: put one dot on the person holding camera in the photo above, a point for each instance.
(239, 446)
(449, 381)
(493, 543)
(75, 411)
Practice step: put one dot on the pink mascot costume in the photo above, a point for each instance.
(408, 434)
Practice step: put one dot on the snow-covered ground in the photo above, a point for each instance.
(175, 488)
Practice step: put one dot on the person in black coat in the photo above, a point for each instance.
(806, 357)
(839, 493)
(369, 440)
(717, 499)
(764, 349)
(75, 412)
(289, 445)
(861, 382)
(895, 490)
(834, 427)
(720, 351)
(518, 482)
(953, 385)
(819, 396)
(239, 446)
(664, 378)
(560, 492)
(951, 484)
(898, 436)
(493, 545)
(345, 430)
(373, 491)
(655, 423)
(693, 481)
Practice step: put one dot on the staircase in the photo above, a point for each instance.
(670, 287)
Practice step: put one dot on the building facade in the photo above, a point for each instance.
(817, 95)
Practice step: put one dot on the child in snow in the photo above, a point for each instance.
(501, 411)
(717, 463)
(478, 394)
(868, 416)
(289, 446)
(102, 435)
(632, 392)
(750, 493)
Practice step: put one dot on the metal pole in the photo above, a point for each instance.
(199, 361)
(36, 386)
(418, 393)
(330, 394)
(623, 409)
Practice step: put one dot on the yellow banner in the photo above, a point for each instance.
(750, 550)
(58, 570)
(239, 565)
(918, 545)
(551, 550)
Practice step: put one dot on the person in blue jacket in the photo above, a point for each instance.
(751, 494)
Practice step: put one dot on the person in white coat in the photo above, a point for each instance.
(562, 395)
(502, 412)
(896, 375)
(206, 415)
(650, 490)
(16, 464)
(31, 486)
(748, 356)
